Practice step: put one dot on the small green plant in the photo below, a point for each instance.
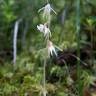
(50, 49)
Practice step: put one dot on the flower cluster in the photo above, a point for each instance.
(44, 28)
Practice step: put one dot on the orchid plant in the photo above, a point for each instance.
(44, 28)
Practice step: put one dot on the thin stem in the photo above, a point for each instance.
(79, 60)
(78, 46)
(44, 78)
(44, 73)
(47, 1)
(24, 35)
(92, 52)
(16, 27)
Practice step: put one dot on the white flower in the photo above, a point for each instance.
(47, 10)
(41, 27)
(51, 49)
(45, 30)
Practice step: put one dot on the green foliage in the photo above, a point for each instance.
(26, 78)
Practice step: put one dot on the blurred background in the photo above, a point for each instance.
(26, 78)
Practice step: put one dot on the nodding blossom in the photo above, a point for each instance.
(41, 27)
(47, 10)
(45, 30)
(51, 49)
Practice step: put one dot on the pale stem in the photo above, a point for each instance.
(44, 78)
(15, 40)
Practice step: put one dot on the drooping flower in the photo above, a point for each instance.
(41, 27)
(45, 30)
(51, 49)
(47, 10)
